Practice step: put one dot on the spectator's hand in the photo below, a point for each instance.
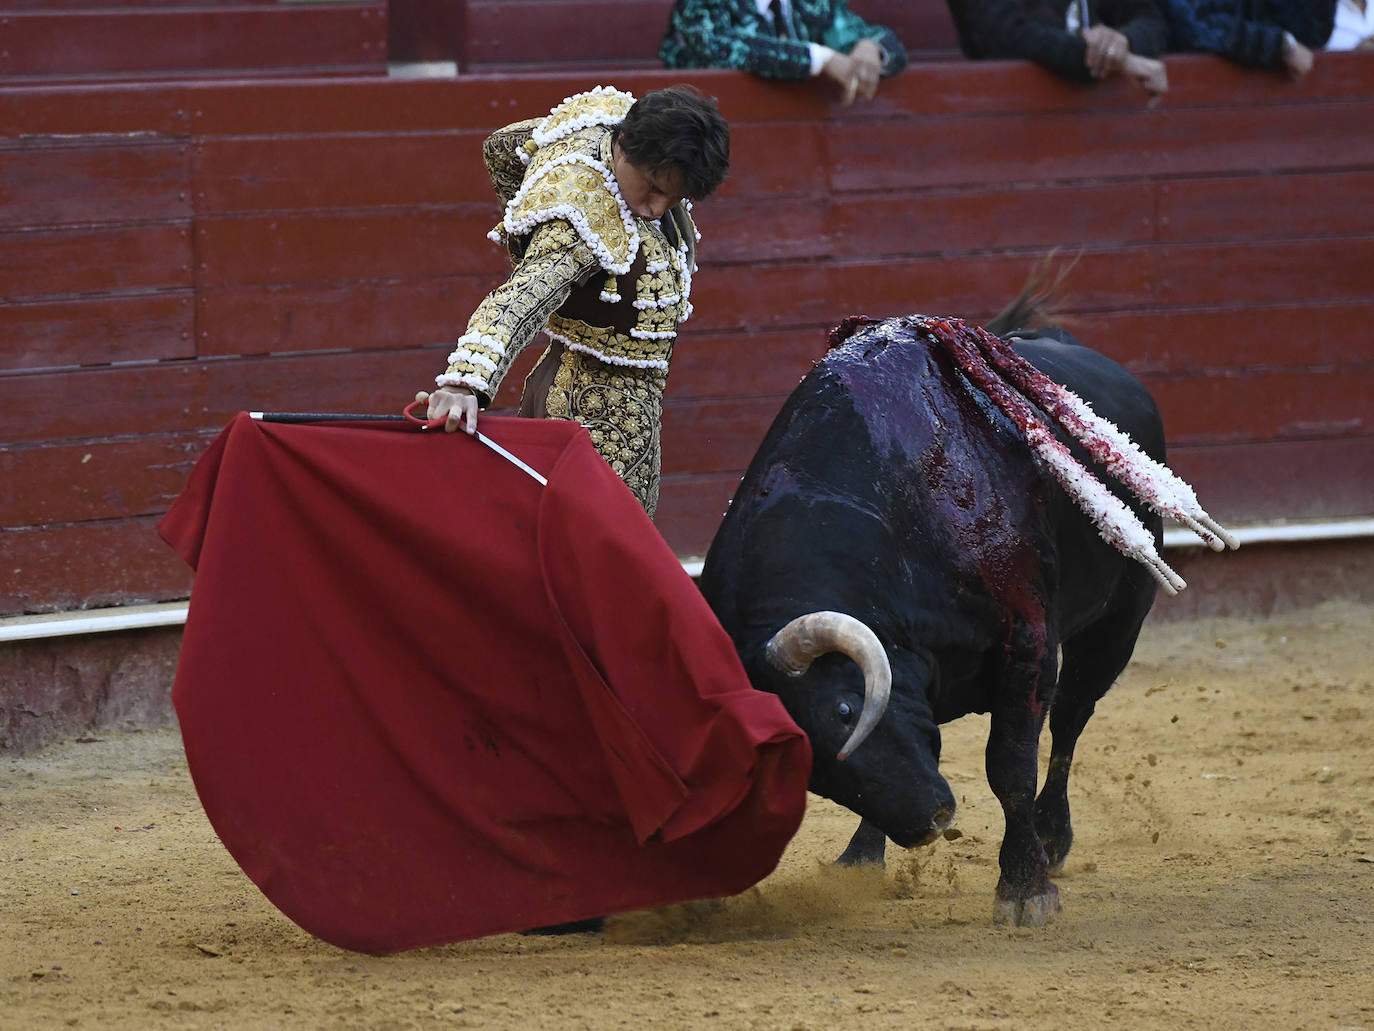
(457, 406)
(868, 66)
(1297, 59)
(840, 69)
(1107, 51)
(1148, 74)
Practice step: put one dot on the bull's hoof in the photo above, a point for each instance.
(1035, 911)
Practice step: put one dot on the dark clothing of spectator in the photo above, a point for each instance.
(1036, 30)
(1250, 32)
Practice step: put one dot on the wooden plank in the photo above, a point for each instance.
(690, 509)
(1204, 80)
(1196, 81)
(172, 397)
(1261, 273)
(105, 5)
(481, 103)
(89, 565)
(1316, 337)
(996, 218)
(99, 181)
(1281, 479)
(975, 286)
(749, 364)
(96, 479)
(1097, 144)
(359, 314)
(1260, 207)
(1264, 405)
(776, 160)
(715, 436)
(313, 247)
(546, 31)
(96, 330)
(733, 230)
(36, 115)
(475, 102)
(65, 42)
(85, 260)
(314, 172)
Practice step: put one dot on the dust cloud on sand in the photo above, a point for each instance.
(1222, 877)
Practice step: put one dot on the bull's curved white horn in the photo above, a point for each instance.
(793, 648)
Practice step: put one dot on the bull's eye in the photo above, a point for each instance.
(844, 711)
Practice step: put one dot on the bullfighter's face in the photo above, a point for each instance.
(649, 193)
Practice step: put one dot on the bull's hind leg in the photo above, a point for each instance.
(1093, 660)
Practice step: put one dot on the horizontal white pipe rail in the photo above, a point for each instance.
(142, 617)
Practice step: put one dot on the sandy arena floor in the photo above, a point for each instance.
(1222, 877)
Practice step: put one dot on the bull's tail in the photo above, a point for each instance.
(1034, 307)
(1017, 388)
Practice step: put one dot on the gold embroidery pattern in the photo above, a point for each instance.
(661, 292)
(609, 346)
(622, 409)
(559, 185)
(501, 154)
(508, 318)
(601, 105)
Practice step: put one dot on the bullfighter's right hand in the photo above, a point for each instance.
(457, 406)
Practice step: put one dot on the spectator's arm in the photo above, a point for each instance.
(1144, 26)
(1214, 27)
(706, 35)
(1312, 23)
(1002, 29)
(847, 28)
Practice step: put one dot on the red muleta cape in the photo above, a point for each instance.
(425, 699)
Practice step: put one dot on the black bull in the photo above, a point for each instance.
(890, 490)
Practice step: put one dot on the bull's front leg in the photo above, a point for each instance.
(1025, 893)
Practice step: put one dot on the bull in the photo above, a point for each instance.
(897, 556)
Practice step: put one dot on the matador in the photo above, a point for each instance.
(603, 249)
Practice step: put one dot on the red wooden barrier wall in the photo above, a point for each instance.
(102, 40)
(173, 254)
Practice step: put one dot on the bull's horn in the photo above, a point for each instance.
(793, 648)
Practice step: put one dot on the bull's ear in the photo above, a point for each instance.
(913, 670)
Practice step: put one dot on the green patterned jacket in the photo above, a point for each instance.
(732, 34)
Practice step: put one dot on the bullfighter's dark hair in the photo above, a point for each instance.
(678, 128)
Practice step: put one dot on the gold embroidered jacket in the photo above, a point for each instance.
(608, 288)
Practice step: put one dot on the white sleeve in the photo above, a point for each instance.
(820, 53)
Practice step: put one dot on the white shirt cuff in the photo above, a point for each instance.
(820, 53)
